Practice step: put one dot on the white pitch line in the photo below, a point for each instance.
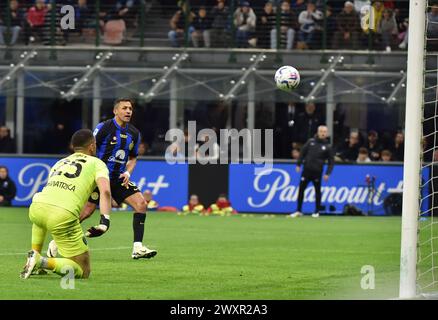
(97, 249)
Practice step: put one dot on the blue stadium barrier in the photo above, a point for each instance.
(277, 192)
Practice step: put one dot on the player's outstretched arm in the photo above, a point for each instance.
(105, 209)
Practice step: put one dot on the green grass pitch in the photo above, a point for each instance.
(238, 257)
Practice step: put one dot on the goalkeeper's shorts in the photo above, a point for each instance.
(62, 225)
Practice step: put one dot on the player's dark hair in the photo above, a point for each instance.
(82, 138)
(116, 103)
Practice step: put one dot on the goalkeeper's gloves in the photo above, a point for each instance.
(100, 229)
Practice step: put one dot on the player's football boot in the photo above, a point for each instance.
(33, 259)
(315, 215)
(52, 250)
(143, 253)
(296, 214)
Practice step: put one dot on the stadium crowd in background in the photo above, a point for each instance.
(212, 24)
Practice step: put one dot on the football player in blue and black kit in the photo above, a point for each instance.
(117, 145)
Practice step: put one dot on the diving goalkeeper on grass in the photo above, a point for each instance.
(57, 207)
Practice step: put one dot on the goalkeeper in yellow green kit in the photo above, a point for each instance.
(57, 207)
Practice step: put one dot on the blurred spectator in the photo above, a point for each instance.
(386, 155)
(193, 206)
(435, 157)
(36, 16)
(378, 12)
(201, 25)
(207, 155)
(124, 8)
(219, 25)
(222, 207)
(296, 152)
(265, 24)
(178, 24)
(373, 145)
(359, 4)
(331, 25)
(190, 152)
(363, 155)
(15, 19)
(309, 25)
(117, 19)
(143, 149)
(347, 34)
(398, 149)
(7, 144)
(173, 153)
(306, 124)
(288, 22)
(387, 29)
(152, 205)
(403, 35)
(389, 4)
(350, 151)
(427, 152)
(432, 22)
(59, 143)
(84, 16)
(298, 5)
(284, 131)
(8, 190)
(245, 22)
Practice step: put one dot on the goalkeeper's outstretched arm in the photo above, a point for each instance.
(105, 209)
(105, 196)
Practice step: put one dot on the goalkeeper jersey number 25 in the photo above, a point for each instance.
(71, 181)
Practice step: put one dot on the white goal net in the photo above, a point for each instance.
(427, 245)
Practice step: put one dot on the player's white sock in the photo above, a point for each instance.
(138, 245)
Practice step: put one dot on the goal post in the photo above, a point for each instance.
(413, 149)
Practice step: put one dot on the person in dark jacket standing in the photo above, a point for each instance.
(8, 190)
(347, 35)
(313, 156)
(306, 123)
(7, 144)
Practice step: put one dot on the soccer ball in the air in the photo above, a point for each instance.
(287, 78)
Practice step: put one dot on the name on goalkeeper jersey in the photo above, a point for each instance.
(61, 185)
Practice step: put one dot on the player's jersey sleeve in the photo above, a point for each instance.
(100, 133)
(134, 151)
(101, 170)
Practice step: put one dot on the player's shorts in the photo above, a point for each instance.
(118, 192)
(63, 225)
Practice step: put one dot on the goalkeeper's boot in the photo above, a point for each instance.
(33, 262)
(142, 252)
(52, 250)
(296, 214)
(315, 215)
